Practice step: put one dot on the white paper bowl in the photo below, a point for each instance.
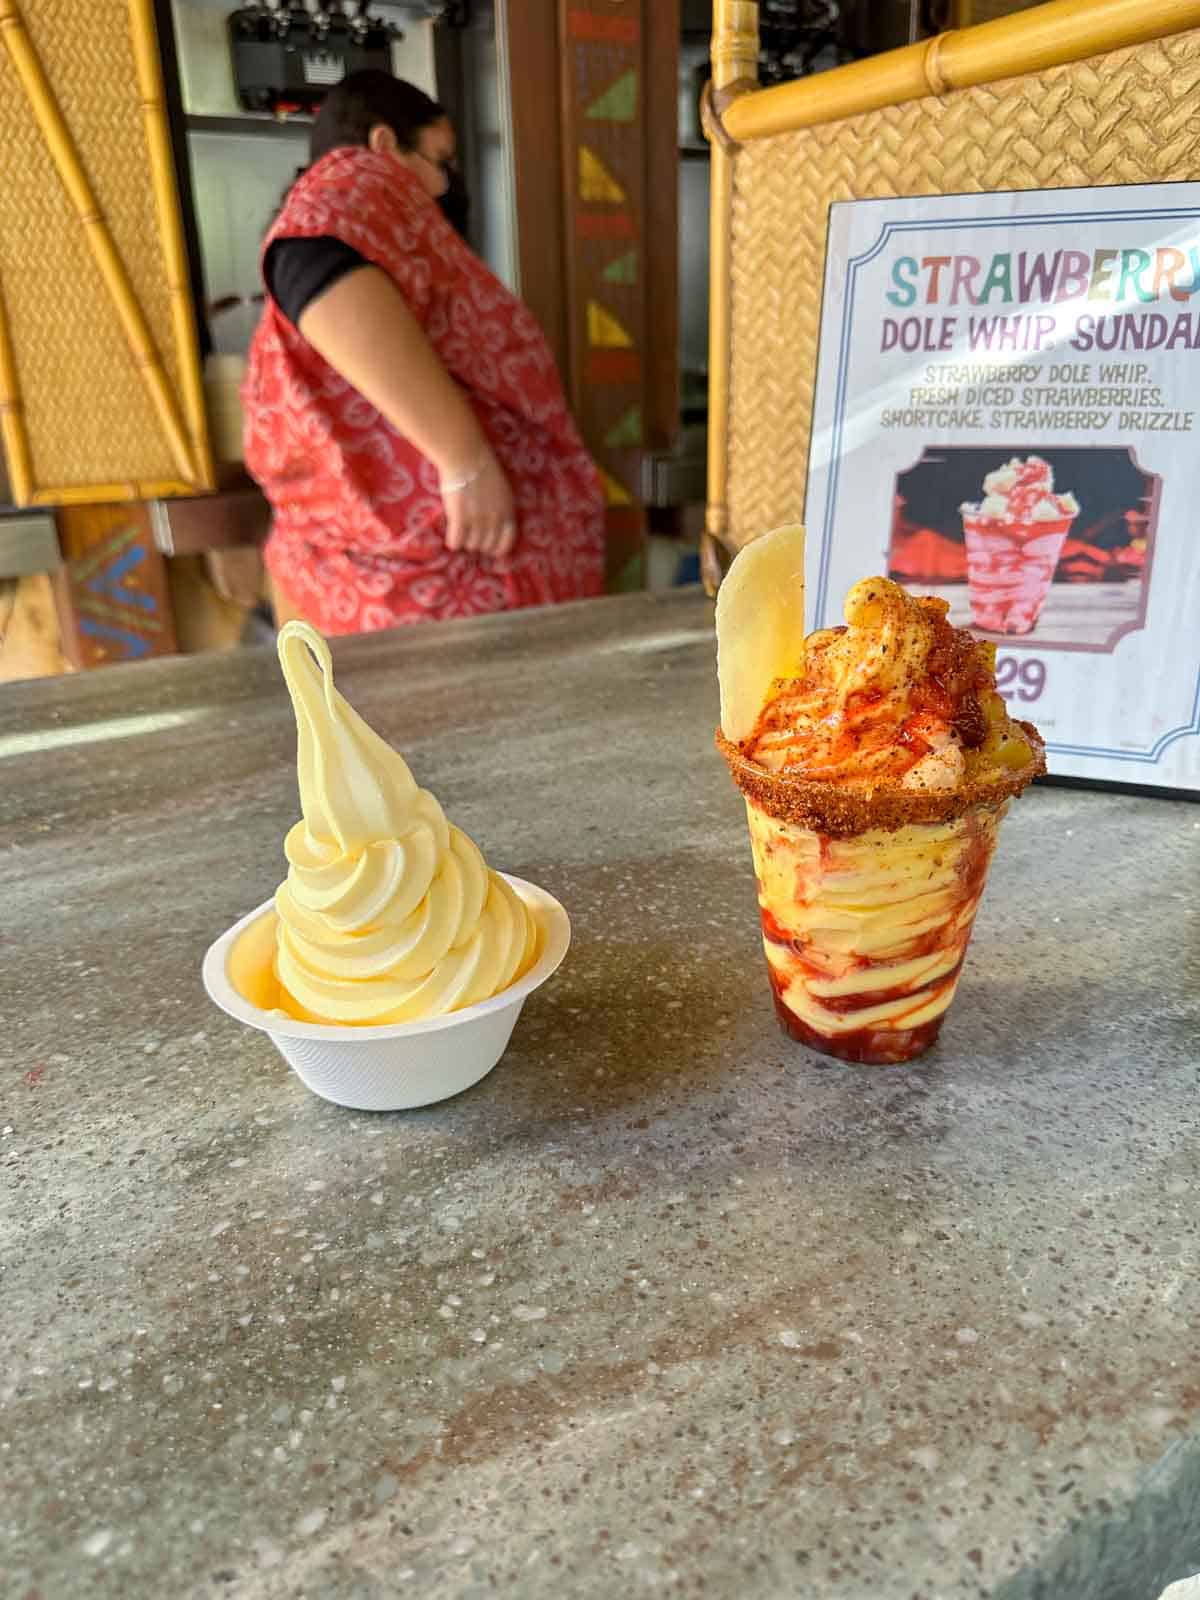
(403, 1064)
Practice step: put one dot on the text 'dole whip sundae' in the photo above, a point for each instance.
(876, 761)
(1014, 537)
(389, 913)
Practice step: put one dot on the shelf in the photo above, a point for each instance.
(694, 152)
(258, 123)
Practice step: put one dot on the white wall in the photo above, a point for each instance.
(492, 197)
(238, 181)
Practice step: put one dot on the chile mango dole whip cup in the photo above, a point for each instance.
(876, 761)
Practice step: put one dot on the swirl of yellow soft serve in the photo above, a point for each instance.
(389, 913)
(882, 651)
(883, 647)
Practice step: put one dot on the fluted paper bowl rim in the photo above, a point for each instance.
(554, 929)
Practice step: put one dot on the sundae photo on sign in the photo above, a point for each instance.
(1052, 546)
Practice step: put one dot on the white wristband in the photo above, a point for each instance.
(453, 485)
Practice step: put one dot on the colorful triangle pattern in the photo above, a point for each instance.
(615, 493)
(622, 270)
(596, 183)
(604, 331)
(133, 644)
(109, 582)
(626, 433)
(618, 103)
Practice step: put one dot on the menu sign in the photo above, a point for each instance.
(1007, 414)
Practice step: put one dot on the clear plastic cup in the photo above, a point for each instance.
(865, 937)
(865, 929)
(1010, 566)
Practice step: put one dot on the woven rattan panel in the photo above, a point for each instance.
(1129, 117)
(88, 416)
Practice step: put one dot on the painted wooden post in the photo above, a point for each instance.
(618, 70)
(112, 595)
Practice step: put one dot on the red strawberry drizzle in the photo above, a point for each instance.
(843, 1005)
(885, 1042)
(868, 1046)
(912, 740)
(955, 677)
(1033, 485)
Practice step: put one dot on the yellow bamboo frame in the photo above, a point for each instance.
(186, 441)
(1029, 41)
(12, 430)
(1051, 35)
(144, 35)
(90, 494)
(735, 64)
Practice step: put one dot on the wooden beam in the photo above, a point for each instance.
(112, 594)
(660, 63)
(530, 43)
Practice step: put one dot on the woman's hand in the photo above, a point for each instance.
(480, 515)
(365, 330)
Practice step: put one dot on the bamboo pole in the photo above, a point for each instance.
(12, 419)
(166, 200)
(735, 62)
(716, 517)
(1050, 35)
(65, 155)
(734, 42)
(163, 489)
(88, 494)
(111, 493)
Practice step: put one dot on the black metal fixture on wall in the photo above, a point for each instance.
(287, 53)
(796, 37)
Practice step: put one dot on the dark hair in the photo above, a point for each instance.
(363, 100)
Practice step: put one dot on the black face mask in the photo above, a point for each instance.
(454, 203)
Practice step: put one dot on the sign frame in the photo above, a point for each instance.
(851, 414)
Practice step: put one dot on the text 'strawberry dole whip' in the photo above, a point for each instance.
(1014, 538)
(389, 913)
(876, 761)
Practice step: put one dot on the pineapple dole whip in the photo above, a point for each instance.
(389, 913)
(876, 761)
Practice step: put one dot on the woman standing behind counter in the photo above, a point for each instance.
(403, 412)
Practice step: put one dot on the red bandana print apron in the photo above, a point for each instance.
(357, 541)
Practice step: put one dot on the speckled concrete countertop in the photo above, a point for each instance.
(665, 1305)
